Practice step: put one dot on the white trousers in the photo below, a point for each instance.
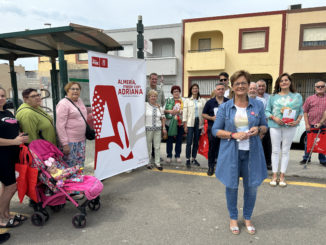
(155, 138)
(285, 136)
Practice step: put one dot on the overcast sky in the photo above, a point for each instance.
(18, 15)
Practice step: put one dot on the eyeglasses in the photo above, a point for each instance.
(240, 83)
(322, 86)
(75, 89)
(223, 80)
(34, 96)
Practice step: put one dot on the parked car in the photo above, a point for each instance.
(300, 134)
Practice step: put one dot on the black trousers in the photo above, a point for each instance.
(214, 146)
(267, 146)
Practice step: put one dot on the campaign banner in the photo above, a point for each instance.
(117, 93)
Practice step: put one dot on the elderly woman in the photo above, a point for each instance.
(238, 123)
(33, 119)
(284, 112)
(71, 126)
(154, 120)
(173, 115)
(193, 122)
(10, 139)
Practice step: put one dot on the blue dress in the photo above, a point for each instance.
(227, 163)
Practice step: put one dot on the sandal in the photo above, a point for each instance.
(282, 183)
(11, 223)
(19, 217)
(250, 228)
(235, 230)
(273, 182)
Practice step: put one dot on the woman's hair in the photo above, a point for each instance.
(190, 90)
(277, 87)
(152, 92)
(238, 74)
(175, 87)
(27, 91)
(1, 88)
(69, 85)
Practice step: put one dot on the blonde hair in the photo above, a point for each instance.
(152, 92)
(69, 85)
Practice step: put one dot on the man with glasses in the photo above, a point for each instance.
(224, 78)
(33, 119)
(313, 108)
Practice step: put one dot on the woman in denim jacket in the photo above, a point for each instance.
(239, 123)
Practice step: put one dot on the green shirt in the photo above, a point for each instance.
(36, 122)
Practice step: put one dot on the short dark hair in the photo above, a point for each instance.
(27, 92)
(224, 74)
(153, 73)
(174, 88)
(220, 83)
(190, 92)
(277, 87)
(238, 74)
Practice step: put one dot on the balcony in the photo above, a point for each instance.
(165, 65)
(205, 60)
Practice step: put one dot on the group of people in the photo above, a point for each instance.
(30, 123)
(249, 131)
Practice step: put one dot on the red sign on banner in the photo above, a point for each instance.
(104, 62)
(96, 61)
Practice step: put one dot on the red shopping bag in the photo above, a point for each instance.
(320, 146)
(21, 172)
(32, 174)
(203, 144)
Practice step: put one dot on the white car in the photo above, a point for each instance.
(300, 133)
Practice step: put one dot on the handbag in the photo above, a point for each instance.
(26, 175)
(320, 146)
(90, 133)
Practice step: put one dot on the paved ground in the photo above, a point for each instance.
(182, 207)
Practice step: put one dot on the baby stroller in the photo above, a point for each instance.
(50, 193)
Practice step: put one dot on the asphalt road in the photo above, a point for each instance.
(175, 207)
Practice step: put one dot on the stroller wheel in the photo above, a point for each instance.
(38, 219)
(94, 204)
(46, 214)
(79, 220)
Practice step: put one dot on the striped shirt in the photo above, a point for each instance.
(315, 106)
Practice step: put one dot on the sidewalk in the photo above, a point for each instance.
(314, 170)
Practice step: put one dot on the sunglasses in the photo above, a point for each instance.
(322, 86)
(223, 80)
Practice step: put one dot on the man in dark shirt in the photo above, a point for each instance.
(209, 113)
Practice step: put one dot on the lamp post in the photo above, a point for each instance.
(140, 38)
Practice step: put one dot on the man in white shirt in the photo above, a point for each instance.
(224, 78)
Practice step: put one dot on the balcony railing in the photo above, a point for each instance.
(204, 60)
(166, 65)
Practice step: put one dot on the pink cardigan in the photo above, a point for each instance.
(70, 125)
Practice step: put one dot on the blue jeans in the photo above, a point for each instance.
(321, 157)
(192, 139)
(178, 143)
(250, 192)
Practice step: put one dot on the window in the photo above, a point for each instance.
(206, 84)
(253, 40)
(204, 44)
(128, 51)
(162, 48)
(312, 36)
(83, 57)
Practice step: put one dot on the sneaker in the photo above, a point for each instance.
(195, 162)
(188, 164)
(273, 182)
(178, 160)
(304, 161)
(168, 160)
(160, 168)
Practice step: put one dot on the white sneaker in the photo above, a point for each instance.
(179, 160)
(282, 183)
(168, 160)
(273, 183)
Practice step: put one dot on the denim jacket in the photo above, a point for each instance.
(227, 163)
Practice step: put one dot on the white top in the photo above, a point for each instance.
(227, 93)
(242, 125)
(263, 99)
(153, 115)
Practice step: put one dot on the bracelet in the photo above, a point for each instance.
(272, 117)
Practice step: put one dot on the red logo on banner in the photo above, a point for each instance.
(104, 62)
(96, 61)
(106, 96)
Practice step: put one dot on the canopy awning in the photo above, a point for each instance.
(71, 39)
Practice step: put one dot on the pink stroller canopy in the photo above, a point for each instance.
(44, 149)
